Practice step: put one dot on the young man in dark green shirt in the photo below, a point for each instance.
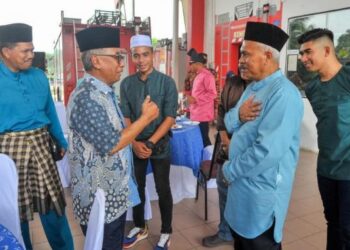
(153, 142)
(329, 95)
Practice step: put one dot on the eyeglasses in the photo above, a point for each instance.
(118, 56)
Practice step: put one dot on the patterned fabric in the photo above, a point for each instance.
(40, 188)
(8, 240)
(95, 123)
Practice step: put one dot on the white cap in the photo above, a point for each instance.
(140, 41)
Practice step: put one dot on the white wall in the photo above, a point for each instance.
(209, 30)
(308, 136)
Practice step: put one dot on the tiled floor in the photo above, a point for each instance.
(305, 228)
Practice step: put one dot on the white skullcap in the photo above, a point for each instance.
(140, 41)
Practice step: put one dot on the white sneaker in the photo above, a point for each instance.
(164, 242)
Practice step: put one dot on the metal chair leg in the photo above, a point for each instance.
(205, 201)
(197, 188)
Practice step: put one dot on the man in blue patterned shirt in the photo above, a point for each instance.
(99, 151)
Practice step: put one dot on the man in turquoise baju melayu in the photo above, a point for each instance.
(264, 150)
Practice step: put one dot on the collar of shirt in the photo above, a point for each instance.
(256, 86)
(152, 75)
(101, 86)
(107, 90)
(203, 70)
(7, 72)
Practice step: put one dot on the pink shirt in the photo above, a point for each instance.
(204, 91)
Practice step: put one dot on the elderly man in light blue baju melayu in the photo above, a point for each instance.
(264, 150)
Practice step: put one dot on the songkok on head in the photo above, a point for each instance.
(197, 57)
(98, 38)
(39, 60)
(140, 41)
(266, 33)
(203, 57)
(16, 33)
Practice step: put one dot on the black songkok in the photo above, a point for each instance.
(266, 33)
(98, 38)
(195, 57)
(16, 33)
(39, 60)
(315, 34)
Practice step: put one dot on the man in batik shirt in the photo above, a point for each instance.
(99, 151)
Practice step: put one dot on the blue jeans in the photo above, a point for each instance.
(56, 229)
(224, 229)
(335, 196)
(113, 234)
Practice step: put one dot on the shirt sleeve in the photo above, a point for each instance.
(170, 100)
(278, 128)
(124, 103)
(232, 121)
(90, 119)
(220, 125)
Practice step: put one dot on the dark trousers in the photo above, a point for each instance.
(204, 127)
(56, 230)
(265, 241)
(335, 196)
(113, 234)
(161, 171)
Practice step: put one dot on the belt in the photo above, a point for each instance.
(37, 131)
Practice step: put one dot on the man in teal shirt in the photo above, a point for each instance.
(152, 144)
(264, 149)
(27, 117)
(329, 95)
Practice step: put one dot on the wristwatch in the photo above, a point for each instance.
(149, 144)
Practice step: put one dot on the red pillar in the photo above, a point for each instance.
(195, 31)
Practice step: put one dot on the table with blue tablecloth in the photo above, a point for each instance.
(8, 240)
(186, 147)
(186, 154)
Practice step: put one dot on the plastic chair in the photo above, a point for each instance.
(95, 229)
(9, 213)
(206, 172)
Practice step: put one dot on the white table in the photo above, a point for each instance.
(62, 165)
